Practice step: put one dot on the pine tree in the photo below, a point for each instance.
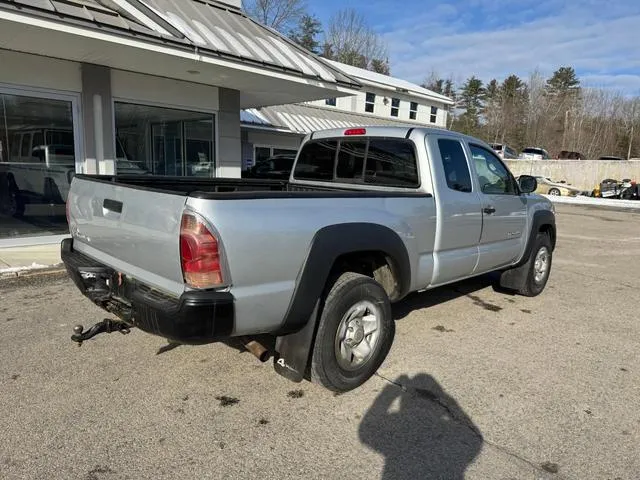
(306, 33)
(472, 98)
(563, 81)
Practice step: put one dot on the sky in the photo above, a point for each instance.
(495, 38)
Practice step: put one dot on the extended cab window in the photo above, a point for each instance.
(388, 162)
(316, 161)
(493, 176)
(454, 161)
(391, 163)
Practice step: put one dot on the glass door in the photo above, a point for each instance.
(163, 141)
(167, 155)
(198, 155)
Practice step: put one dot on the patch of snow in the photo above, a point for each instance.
(33, 266)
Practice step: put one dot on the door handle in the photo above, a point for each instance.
(489, 210)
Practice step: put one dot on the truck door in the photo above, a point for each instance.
(459, 217)
(504, 211)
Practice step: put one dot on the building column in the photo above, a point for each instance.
(97, 113)
(229, 161)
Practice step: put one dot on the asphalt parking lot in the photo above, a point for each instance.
(478, 385)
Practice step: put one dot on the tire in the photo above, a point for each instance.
(353, 300)
(13, 205)
(534, 284)
(555, 192)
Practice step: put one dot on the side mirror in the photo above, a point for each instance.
(527, 183)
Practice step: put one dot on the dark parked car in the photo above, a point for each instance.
(568, 155)
(276, 167)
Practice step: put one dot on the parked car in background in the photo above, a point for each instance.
(626, 189)
(504, 151)
(610, 157)
(568, 155)
(535, 153)
(546, 186)
(275, 167)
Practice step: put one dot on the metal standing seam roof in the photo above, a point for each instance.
(208, 26)
(305, 119)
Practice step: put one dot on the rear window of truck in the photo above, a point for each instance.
(388, 162)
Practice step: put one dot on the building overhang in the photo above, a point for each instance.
(260, 84)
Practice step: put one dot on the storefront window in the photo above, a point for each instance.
(37, 164)
(163, 141)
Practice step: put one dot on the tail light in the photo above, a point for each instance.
(199, 253)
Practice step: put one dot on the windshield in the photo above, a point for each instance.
(535, 151)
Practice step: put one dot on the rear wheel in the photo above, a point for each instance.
(555, 192)
(354, 335)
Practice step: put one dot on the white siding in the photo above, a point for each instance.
(356, 104)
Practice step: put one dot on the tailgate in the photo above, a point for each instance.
(131, 229)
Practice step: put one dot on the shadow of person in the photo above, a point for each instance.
(421, 431)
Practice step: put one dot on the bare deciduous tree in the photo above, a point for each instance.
(350, 40)
(281, 15)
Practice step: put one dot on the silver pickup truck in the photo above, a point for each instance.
(367, 216)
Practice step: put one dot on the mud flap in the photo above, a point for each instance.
(515, 278)
(293, 351)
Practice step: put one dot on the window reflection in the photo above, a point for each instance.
(37, 164)
(162, 141)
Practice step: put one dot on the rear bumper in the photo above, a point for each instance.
(196, 317)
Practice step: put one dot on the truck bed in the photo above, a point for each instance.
(234, 188)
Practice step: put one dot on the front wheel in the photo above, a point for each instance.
(539, 266)
(354, 335)
(555, 192)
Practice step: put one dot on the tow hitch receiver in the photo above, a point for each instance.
(105, 326)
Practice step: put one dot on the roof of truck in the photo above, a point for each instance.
(384, 130)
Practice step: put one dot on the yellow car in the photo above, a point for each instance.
(546, 186)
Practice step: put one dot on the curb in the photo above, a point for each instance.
(30, 272)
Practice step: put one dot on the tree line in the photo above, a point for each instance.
(555, 113)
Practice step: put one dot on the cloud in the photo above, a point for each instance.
(494, 38)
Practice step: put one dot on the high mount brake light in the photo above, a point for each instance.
(199, 253)
(355, 131)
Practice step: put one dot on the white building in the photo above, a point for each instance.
(132, 86)
(382, 100)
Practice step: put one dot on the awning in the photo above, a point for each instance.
(305, 119)
(202, 41)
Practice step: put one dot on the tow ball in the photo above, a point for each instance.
(105, 326)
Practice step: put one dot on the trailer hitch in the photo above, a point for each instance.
(105, 326)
